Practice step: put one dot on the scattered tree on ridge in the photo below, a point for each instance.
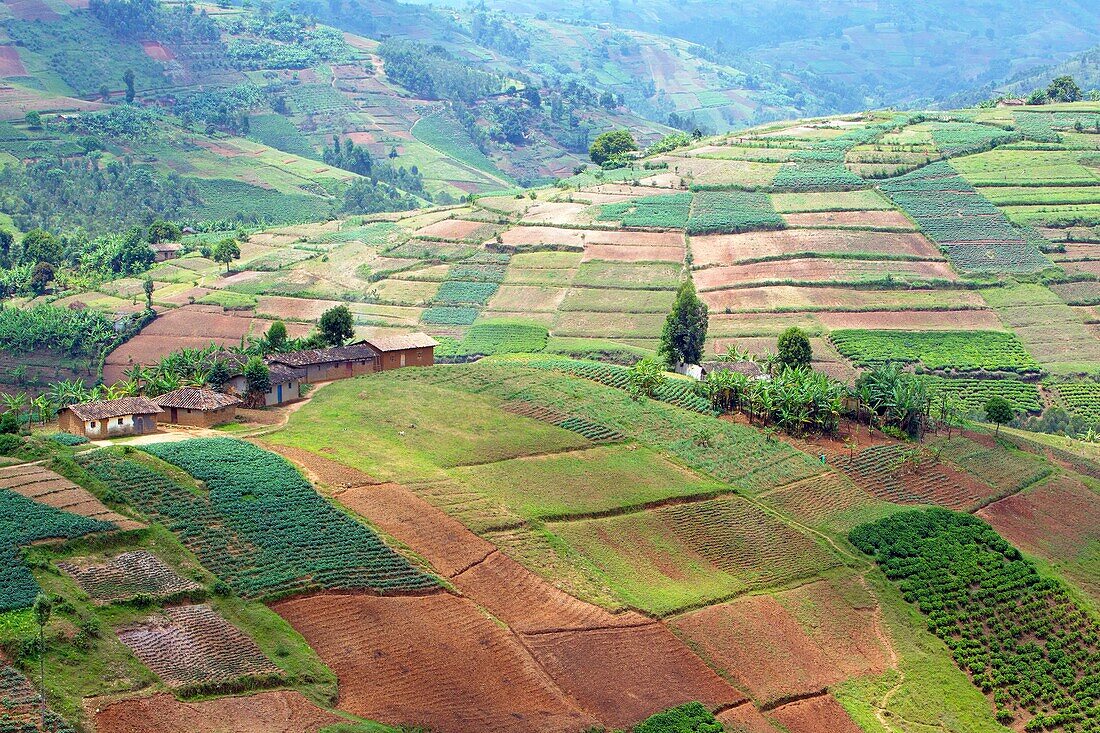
(685, 331)
(1063, 89)
(611, 145)
(794, 348)
(336, 325)
(999, 411)
(227, 251)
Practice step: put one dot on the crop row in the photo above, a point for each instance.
(1037, 126)
(259, 526)
(963, 351)
(669, 211)
(970, 395)
(963, 138)
(906, 476)
(461, 291)
(497, 337)
(1021, 637)
(731, 211)
(20, 706)
(593, 431)
(450, 316)
(1080, 398)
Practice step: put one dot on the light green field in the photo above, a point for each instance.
(864, 200)
(1030, 167)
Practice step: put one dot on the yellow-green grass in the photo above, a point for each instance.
(1041, 195)
(1054, 214)
(1052, 331)
(653, 276)
(585, 482)
(539, 276)
(1025, 167)
(396, 429)
(527, 298)
(405, 292)
(828, 501)
(863, 200)
(615, 300)
(684, 556)
(608, 325)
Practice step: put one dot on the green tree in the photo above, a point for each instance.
(685, 330)
(33, 119)
(41, 246)
(147, 287)
(794, 348)
(41, 277)
(337, 325)
(610, 145)
(276, 336)
(1063, 89)
(999, 411)
(42, 609)
(219, 375)
(226, 251)
(128, 79)
(163, 231)
(257, 376)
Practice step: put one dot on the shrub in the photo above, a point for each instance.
(68, 439)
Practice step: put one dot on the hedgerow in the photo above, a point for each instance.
(259, 525)
(1020, 636)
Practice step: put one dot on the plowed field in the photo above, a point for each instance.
(818, 270)
(727, 249)
(815, 715)
(46, 487)
(283, 711)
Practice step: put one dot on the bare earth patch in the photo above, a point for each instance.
(283, 711)
(46, 487)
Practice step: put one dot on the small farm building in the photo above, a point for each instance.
(325, 365)
(197, 407)
(410, 349)
(166, 251)
(110, 418)
(286, 383)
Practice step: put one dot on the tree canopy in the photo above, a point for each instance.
(685, 332)
(337, 325)
(611, 145)
(794, 348)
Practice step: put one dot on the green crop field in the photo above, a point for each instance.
(961, 351)
(650, 211)
(731, 211)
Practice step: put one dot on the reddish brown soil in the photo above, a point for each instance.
(10, 64)
(31, 10)
(881, 219)
(817, 270)
(283, 711)
(524, 235)
(432, 660)
(450, 229)
(332, 474)
(726, 249)
(156, 51)
(627, 253)
(880, 471)
(621, 676)
(761, 645)
(815, 715)
(440, 539)
(556, 212)
(1054, 520)
(527, 603)
(281, 306)
(772, 297)
(746, 719)
(965, 320)
(46, 487)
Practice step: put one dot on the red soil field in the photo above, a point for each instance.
(817, 270)
(527, 603)
(745, 719)
(962, 320)
(30, 10)
(440, 539)
(281, 306)
(10, 64)
(49, 488)
(450, 229)
(880, 219)
(727, 249)
(625, 253)
(283, 711)
(635, 239)
(433, 660)
(127, 575)
(332, 475)
(815, 715)
(623, 675)
(880, 471)
(525, 235)
(769, 297)
(156, 51)
(761, 646)
(1056, 520)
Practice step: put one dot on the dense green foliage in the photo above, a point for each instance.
(610, 145)
(966, 138)
(793, 348)
(970, 395)
(79, 333)
(23, 521)
(692, 717)
(283, 41)
(258, 525)
(433, 73)
(496, 337)
(1080, 397)
(731, 212)
(685, 331)
(894, 398)
(1019, 635)
(668, 211)
(962, 351)
(450, 315)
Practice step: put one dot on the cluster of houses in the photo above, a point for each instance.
(204, 408)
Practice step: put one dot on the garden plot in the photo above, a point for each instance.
(46, 487)
(704, 172)
(727, 249)
(631, 253)
(194, 647)
(527, 299)
(742, 325)
(281, 711)
(770, 298)
(559, 213)
(814, 269)
(23, 708)
(586, 482)
(456, 230)
(1026, 167)
(1052, 332)
(622, 675)
(681, 556)
(829, 500)
(814, 714)
(405, 292)
(127, 576)
(626, 275)
(887, 220)
(622, 325)
(435, 661)
(810, 202)
(1007, 470)
(961, 351)
(1057, 520)
(930, 320)
(900, 475)
(1079, 397)
(616, 300)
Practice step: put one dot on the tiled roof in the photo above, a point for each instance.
(311, 357)
(107, 409)
(400, 342)
(194, 398)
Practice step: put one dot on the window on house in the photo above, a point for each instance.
(120, 421)
(91, 424)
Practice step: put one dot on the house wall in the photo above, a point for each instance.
(407, 357)
(112, 428)
(199, 418)
(69, 423)
(338, 370)
(292, 390)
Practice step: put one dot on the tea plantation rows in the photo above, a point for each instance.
(1020, 636)
(260, 527)
(963, 351)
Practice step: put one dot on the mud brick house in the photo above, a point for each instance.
(286, 383)
(410, 349)
(166, 251)
(110, 418)
(325, 365)
(197, 407)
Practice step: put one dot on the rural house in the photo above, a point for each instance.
(166, 251)
(410, 349)
(325, 365)
(286, 383)
(110, 418)
(198, 407)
